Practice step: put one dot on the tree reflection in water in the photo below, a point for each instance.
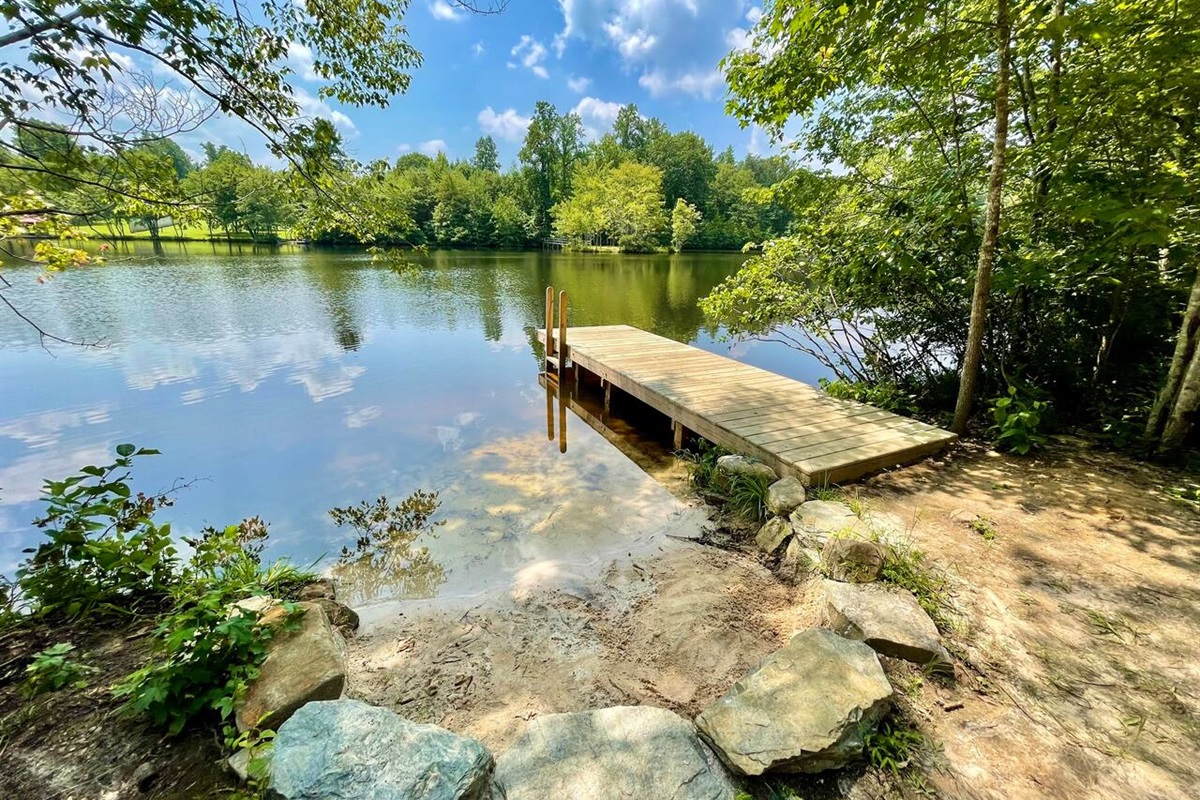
(386, 562)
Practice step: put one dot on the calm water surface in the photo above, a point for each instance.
(289, 382)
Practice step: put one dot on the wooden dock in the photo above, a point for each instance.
(795, 428)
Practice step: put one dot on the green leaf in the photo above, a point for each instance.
(125, 450)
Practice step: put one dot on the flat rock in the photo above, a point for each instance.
(302, 665)
(804, 709)
(617, 753)
(772, 534)
(785, 495)
(350, 750)
(817, 520)
(740, 465)
(853, 560)
(891, 621)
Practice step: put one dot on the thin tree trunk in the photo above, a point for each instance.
(1168, 412)
(973, 355)
(1187, 407)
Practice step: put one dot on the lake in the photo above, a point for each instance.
(283, 382)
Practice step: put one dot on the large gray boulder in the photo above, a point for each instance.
(852, 560)
(350, 750)
(302, 665)
(817, 520)
(772, 534)
(740, 465)
(617, 753)
(784, 496)
(804, 709)
(891, 621)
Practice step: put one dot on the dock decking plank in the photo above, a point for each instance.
(794, 427)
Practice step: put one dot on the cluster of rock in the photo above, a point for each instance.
(806, 708)
(823, 539)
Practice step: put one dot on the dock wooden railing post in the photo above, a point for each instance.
(549, 323)
(562, 333)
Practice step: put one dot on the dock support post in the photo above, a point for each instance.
(607, 396)
(677, 429)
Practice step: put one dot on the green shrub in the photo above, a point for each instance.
(1019, 420)
(52, 669)
(883, 394)
(205, 656)
(103, 551)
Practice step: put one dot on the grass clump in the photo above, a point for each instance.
(892, 746)
(742, 494)
(984, 527)
(905, 566)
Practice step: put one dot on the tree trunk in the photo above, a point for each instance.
(1176, 405)
(973, 355)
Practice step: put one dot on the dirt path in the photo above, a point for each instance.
(1076, 618)
(1080, 618)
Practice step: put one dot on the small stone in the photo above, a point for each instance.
(354, 751)
(772, 534)
(804, 709)
(321, 589)
(612, 754)
(892, 622)
(817, 520)
(239, 764)
(344, 618)
(852, 560)
(798, 563)
(145, 776)
(302, 665)
(740, 465)
(784, 496)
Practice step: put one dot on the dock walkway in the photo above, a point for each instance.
(795, 428)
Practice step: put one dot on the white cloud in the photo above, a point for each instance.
(478, 49)
(673, 46)
(446, 12)
(433, 147)
(757, 144)
(404, 148)
(312, 106)
(531, 53)
(361, 417)
(598, 115)
(579, 85)
(507, 124)
(300, 59)
(701, 83)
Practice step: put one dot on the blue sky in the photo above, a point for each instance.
(483, 74)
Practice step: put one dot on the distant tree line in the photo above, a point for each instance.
(637, 187)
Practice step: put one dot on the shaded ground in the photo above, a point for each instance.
(73, 744)
(1080, 618)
